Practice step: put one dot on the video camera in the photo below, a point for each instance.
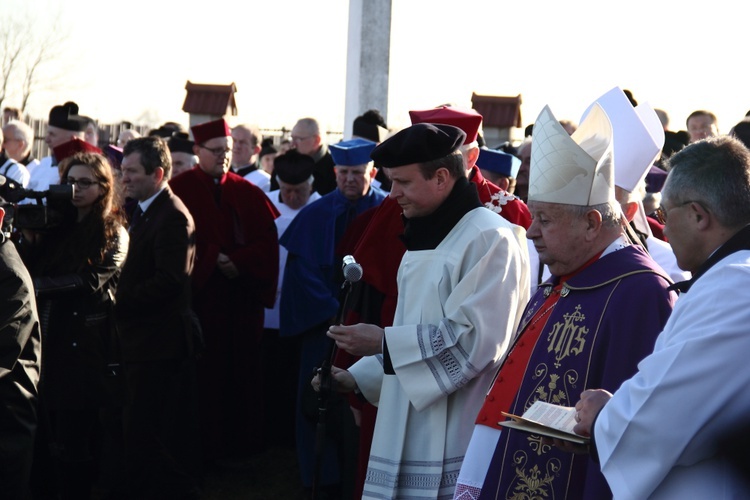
(39, 215)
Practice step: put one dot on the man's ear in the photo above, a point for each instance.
(442, 176)
(471, 158)
(702, 216)
(159, 174)
(593, 224)
(630, 208)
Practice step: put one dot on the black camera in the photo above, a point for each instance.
(38, 215)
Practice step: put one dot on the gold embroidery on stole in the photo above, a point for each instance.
(565, 339)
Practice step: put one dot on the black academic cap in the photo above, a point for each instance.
(293, 167)
(180, 143)
(370, 125)
(66, 117)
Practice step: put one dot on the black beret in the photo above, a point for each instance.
(180, 143)
(293, 167)
(66, 117)
(419, 143)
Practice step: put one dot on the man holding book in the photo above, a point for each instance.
(658, 436)
(580, 329)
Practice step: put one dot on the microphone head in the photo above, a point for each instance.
(352, 272)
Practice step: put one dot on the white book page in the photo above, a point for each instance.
(555, 416)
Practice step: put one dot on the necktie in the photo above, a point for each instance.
(136, 217)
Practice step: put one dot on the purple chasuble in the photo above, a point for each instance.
(606, 321)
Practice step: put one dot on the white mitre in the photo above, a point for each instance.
(637, 137)
(638, 140)
(572, 169)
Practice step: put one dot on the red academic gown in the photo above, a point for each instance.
(233, 217)
(379, 251)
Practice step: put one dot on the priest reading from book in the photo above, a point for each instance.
(588, 326)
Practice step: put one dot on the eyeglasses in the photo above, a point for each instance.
(296, 138)
(217, 151)
(81, 184)
(661, 213)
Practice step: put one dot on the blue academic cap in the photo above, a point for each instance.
(352, 152)
(499, 162)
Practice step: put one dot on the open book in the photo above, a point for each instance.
(547, 419)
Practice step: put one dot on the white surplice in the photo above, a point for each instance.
(458, 307)
(657, 437)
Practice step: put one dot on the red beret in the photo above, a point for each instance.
(72, 147)
(210, 130)
(467, 120)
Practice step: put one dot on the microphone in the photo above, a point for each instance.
(352, 271)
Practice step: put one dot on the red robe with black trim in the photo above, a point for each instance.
(233, 217)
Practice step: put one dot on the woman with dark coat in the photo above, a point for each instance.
(75, 268)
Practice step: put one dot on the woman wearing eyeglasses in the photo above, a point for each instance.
(75, 269)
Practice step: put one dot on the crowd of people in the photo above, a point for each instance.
(181, 301)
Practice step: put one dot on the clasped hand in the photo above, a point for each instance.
(226, 266)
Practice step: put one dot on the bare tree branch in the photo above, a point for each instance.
(25, 57)
(13, 42)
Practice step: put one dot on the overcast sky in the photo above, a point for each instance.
(129, 60)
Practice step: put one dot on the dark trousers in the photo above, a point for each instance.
(16, 453)
(160, 428)
(231, 379)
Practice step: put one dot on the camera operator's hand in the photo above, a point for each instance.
(31, 237)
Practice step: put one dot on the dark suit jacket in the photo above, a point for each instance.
(153, 297)
(20, 348)
(20, 359)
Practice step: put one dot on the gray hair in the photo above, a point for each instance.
(714, 172)
(20, 130)
(610, 211)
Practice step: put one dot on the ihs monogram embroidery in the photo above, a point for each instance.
(567, 338)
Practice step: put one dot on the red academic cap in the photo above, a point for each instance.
(467, 120)
(210, 130)
(72, 147)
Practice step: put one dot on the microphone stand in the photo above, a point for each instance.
(324, 393)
